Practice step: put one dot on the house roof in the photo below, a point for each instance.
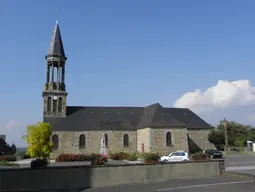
(125, 118)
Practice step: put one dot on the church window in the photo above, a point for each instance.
(125, 140)
(82, 141)
(168, 139)
(60, 104)
(49, 104)
(55, 142)
(106, 140)
(54, 105)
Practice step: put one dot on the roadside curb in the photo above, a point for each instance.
(247, 175)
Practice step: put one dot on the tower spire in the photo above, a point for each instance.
(54, 94)
(56, 48)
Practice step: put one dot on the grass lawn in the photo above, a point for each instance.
(6, 163)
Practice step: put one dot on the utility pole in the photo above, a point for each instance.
(225, 123)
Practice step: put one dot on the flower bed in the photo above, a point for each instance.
(96, 159)
(72, 157)
(8, 158)
(199, 156)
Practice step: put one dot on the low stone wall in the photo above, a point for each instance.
(82, 177)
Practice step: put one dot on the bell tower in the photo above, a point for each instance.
(54, 94)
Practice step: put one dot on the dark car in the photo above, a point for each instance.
(213, 153)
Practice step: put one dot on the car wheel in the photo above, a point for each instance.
(211, 156)
(165, 161)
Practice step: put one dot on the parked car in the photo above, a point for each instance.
(213, 153)
(175, 156)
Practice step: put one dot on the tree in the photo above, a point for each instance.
(238, 134)
(38, 140)
(5, 149)
(13, 149)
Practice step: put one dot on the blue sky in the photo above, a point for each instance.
(132, 52)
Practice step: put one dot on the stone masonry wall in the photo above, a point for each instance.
(45, 99)
(69, 142)
(179, 140)
(143, 137)
(200, 137)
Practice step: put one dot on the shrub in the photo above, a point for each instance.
(151, 156)
(98, 159)
(132, 157)
(72, 157)
(39, 163)
(118, 155)
(8, 158)
(26, 156)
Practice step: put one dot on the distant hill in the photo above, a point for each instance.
(21, 150)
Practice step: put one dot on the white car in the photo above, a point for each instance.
(175, 156)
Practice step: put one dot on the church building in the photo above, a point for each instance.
(79, 129)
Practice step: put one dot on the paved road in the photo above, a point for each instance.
(219, 184)
(240, 163)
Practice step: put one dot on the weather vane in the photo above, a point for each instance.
(57, 13)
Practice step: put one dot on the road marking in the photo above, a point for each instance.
(203, 185)
(237, 162)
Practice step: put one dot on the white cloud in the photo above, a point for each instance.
(222, 95)
(9, 125)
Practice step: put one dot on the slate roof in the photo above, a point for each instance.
(56, 48)
(125, 118)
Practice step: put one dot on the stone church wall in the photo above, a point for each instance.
(178, 137)
(154, 140)
(69, 141)
(200, 137)
(143, 138)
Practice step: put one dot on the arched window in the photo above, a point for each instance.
(82, 141)
(60, 104)
(125, 140)
(54, 105)
(55, 141)
(168, 139)
(49, 104)
(106, 140)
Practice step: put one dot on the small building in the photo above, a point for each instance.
(79, 129)
(3, 137)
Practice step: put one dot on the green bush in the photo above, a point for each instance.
(151, 156)
(132, 157)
